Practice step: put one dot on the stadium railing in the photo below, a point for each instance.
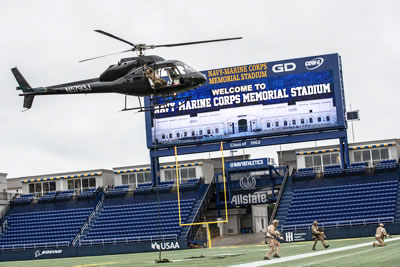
(89, 220)
(136, 239)
(200, 211)
(34, 246)
(337, 224)
(8, 205)
(280, 194)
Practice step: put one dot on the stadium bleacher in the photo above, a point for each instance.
(24, 199)
(386, 165)
(353, 199)
(117, 191)
(333, 171)
(304, 173)
(138, 221)
(358, 168)
(58, 219)
(88, 194)
(43, 228)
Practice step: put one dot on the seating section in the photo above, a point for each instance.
(24, 199)
(48, 197)
(343, 204)
(143, 188)
(90, 193)
(304, 173)
(386, 165)
(139, 221)
(117, 191)
(333, 171)
(43, 228)
(64, 195)
(190, 184)
(358, 168)
(164, 186)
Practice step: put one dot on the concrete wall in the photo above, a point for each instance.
(233, 226)
(3, 182)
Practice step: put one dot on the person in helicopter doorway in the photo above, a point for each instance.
(155, 81)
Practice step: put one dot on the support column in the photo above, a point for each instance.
(344, 152)
(272, 182)
(155, 169)
(217, 195)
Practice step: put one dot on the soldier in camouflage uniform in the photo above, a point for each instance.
(380, 236)
(272, 240)
(317, 236)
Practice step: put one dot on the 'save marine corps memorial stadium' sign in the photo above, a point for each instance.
(252, 101)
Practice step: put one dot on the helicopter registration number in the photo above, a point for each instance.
(78, 88)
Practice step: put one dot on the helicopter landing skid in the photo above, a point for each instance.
(169, 99)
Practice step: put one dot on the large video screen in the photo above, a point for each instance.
(251, 101)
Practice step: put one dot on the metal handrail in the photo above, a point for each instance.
(278, 200)
(128, 239)
(7, 206)
(201, 208)
(86, 225)
(34, 245)
(338, 224)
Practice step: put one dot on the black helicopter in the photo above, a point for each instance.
(134, 76)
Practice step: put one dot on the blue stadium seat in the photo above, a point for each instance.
(41, 228)
(147, 220)
(342, 205)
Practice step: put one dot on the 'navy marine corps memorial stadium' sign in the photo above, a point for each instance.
(252, 102)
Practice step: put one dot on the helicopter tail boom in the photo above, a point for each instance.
(25, 87)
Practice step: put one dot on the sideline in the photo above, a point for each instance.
(307, 255)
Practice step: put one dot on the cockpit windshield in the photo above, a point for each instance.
(184, 68)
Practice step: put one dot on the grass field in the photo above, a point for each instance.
(250, 255)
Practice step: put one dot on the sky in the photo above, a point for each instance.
(46, 39)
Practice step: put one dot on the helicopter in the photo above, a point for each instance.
(133, 76)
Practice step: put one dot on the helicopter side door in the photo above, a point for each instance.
(136, 83)
(162, 76)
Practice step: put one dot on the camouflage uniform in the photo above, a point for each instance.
(380, 236)
(151, 75)
(317, 235)
(273, 243)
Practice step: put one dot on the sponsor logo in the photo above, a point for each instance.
(39, 253)
(165, 245)
(249, 199)
(284, 67)
(289, 237)
(314, 63)
(293, 236)
(78, 88)
(239, 164)
(247, 182)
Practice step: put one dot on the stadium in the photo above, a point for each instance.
(252, 162)
(185, 205)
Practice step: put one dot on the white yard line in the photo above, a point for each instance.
(343, 256)
(307, 255)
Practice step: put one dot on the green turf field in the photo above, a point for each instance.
(228, 256)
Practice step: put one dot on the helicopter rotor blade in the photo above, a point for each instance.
(198, 42)
(115, 37)
(130, 50)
